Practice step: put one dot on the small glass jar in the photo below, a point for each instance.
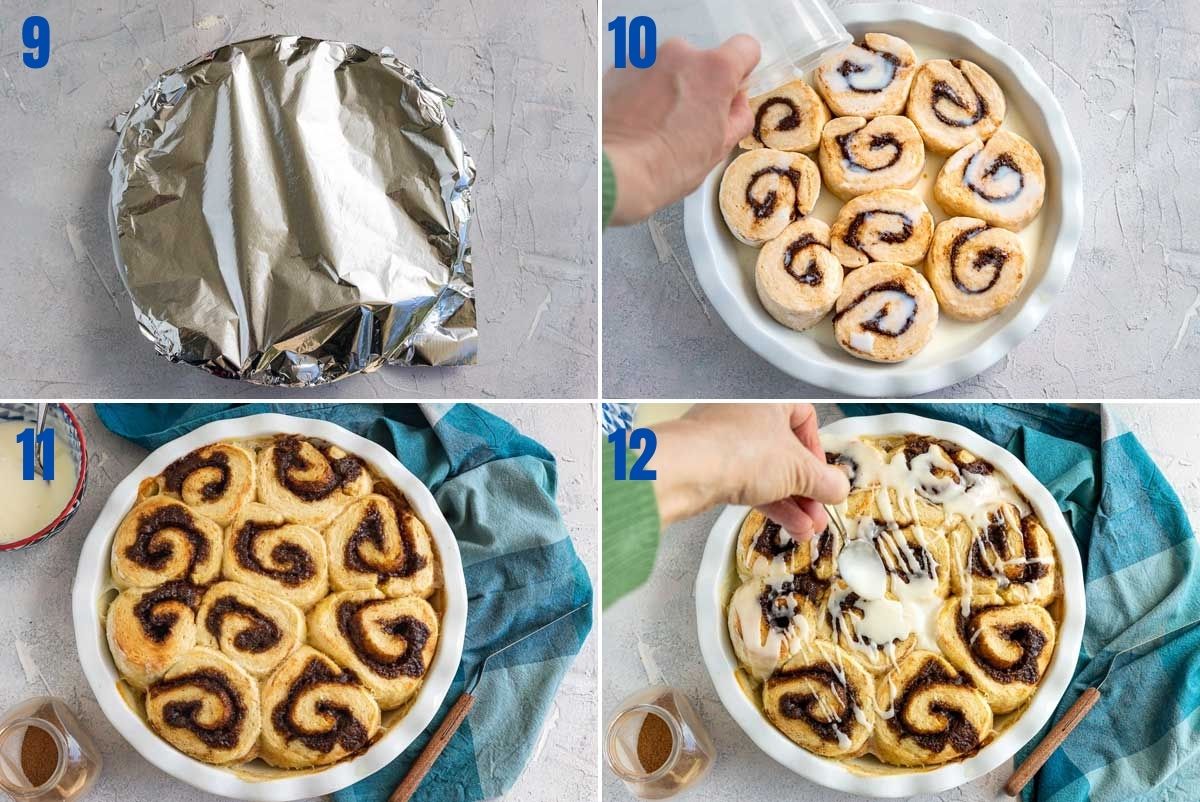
(657, 744)
(45, 754)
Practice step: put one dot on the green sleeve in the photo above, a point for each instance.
(630, 536)
(609, 184)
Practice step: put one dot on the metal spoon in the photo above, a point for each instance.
(37, 438)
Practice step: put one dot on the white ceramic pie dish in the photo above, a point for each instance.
(958, 351)
(717, 568)
(92, 582)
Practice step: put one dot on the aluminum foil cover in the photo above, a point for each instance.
(290, 211)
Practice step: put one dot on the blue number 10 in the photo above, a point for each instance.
(29, 440)
(641, 34)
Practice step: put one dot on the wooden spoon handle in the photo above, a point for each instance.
(1037, 758)
(424, 762)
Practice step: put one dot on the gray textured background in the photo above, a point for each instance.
(656, 626)
(1127, 75)
(523, 75)
(36, 586)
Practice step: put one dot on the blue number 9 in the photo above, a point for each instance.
(36, 35)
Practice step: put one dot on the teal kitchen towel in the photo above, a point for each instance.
(497, 490)
(1142, 581)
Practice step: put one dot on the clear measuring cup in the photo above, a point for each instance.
(795, 35)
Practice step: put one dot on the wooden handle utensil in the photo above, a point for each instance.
(433, 749)
(1070, 720)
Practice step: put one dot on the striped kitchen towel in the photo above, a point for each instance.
(1142, 580)
(497, 489)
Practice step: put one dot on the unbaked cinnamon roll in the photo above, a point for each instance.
(1004, 649)
(888, 225)
(1009, 556)
(763, 190)
(823, 700)
(253, 628)
(929, 713)
(207, 706)
(787, 118)
(215, 481)
(766, 549)
(869, 78)
(309, 482)
(976, 270)
(148, 629)
(314, 713)
(161, 539)
(378, 541)
(954, 102)
(1002, 182)
(264, 551)
(769, 620)
(859, 156)
(886, 313)
(797, 277)
(387, 643)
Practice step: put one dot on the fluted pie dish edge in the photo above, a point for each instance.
(92, 579)
(717, 652)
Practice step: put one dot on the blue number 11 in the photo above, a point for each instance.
(30, 440)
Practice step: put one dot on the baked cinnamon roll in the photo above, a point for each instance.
(1002, 182)
(954, 102)
(888, 225)
(314, 713)
(207, 707)
(766, 549)
(215, 481)
(875, 631)
(763, 190)
(976, 270)
(148, 629)
(387, 643)
(309, 482)
(861, 462)
(1009, 556)
(917, 561)
(929, 713)
(797, 277)
(858, 156)
(866, 504)
(869, 78)
(264, 551)
(253, 628)
(378, 541)
(769, 620)
(886, 313)
(1004, 649)
(161, 540)
(822, 700)
(789, 117)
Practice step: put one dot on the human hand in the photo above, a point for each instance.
(666, 126)
(766, 455)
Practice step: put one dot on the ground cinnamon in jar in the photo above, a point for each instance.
(654, 743)
(39, 756)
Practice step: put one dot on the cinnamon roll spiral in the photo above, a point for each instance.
(254, 629)
(869, 78)
(822, 700)
(378, 541)
(870, 629)
(976, 270)
(787, 118)
(766, 549)
(161, 539)
(917, 561)
(314, 713)
(763, 190)
(1009, 556)
(215, 481)
(309, 482)
(954, 102)
(148, 629)
(207, 706)
(797, 277)
(930, 713)
(888, 225)
(1002, 181)
(858, 156)
(770, 619)
(886, 312)
(387, 643)
(264, 551)
(1004, 649)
